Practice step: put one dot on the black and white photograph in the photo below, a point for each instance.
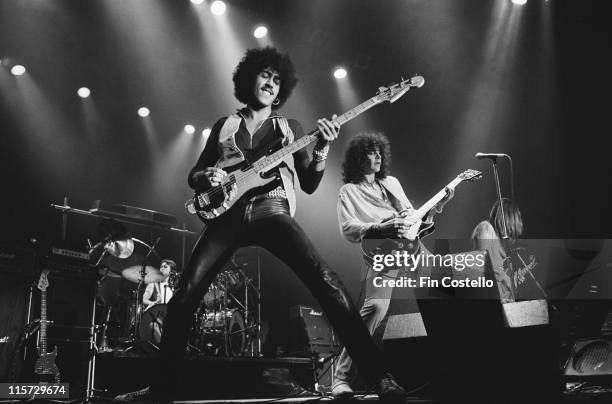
(300, 201)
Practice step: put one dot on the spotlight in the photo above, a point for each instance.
(143, 112)
(218, 7)
(206, 133)
(519, 2)
(83, 92)
(197, 1)
(189, 129)
(340, 73)
(260, 31)
(18, 70)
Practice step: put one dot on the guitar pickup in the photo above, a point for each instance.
(203, 199)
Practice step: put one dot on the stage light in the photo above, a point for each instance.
(217, 7)
(18, 70)
(260, 31)
(340, 73)
(519, 2)
(189, 129)
(83, 92)
(143, 112)
(197, 1)
(206, 133)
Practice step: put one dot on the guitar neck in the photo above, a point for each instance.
(43, 322)
(430, 204)
(271, 160)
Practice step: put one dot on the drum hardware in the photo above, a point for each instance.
(105, 271)
(115, 243)
(227, 323)
(146, 275)
(104, 343)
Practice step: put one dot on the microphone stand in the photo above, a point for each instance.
(499, 198)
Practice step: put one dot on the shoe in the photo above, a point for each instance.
(341, 389)
(390, 391)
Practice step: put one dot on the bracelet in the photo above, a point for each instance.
(320, 155)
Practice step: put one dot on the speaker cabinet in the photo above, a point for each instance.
(311, 335)
(16, 268)
(590, 357)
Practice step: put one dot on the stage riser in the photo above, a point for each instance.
(208, 378)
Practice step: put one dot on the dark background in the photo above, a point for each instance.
(531, 81)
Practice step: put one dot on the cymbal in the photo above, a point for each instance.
(133, 274)
(120, 248)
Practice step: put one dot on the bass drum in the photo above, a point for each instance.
(237, 338)
(151, 327)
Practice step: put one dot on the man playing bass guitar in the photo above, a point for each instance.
(264, 80)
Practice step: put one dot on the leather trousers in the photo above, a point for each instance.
(265, 223)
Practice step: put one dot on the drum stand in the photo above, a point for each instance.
(90, 392)
(136, 340)
(249, 325)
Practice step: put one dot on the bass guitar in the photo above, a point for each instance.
(45, 365)
(246, 176)
(374, 246)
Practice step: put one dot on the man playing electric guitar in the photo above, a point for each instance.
(373, 205)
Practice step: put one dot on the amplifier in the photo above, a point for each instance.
(65, 260)
(69, 253)
(310, 332)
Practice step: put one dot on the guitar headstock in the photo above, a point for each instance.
(393, 92)
(470, 175)
(43, 282)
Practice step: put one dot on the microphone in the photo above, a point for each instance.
(492, 156)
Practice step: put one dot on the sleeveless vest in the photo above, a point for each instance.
(231, 154)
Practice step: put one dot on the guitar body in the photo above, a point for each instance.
(376, 246)
(45, 365)
(241, 182)
(420, 229)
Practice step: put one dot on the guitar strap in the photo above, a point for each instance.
(231, 154)
(392, 186)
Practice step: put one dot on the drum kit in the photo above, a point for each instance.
(226, 322)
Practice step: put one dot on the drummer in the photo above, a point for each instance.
(160, 292)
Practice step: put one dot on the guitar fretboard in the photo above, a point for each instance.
(43, 321)
(271, 160)
(430, 204)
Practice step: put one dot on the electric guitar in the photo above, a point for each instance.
(420, 229)
(245, 176)
(518, 275)
(45, 364)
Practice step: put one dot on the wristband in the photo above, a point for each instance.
(319, 155)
